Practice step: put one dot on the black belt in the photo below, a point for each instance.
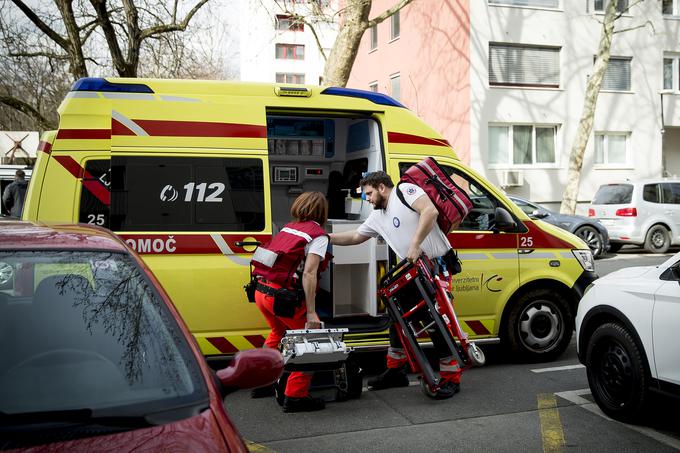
(267, 290)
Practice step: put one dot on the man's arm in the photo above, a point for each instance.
(428, 217)
(348, 238)
(7, 198)
(309, 285)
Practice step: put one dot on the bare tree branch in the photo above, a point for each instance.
(173, 26)
(27, 109)
(38, 54)
(42, 26)
(388, 13)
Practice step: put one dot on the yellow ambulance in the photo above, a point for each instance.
(194, 175)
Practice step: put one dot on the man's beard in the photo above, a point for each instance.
(381, 203)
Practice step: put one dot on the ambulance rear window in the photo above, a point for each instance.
(162, 193)
(614, 194)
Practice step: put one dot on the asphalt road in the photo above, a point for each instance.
(503, 406)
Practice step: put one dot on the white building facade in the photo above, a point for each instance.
(529, 64)
(276, 48)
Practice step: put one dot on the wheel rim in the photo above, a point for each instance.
(591, 238)
(6, 273)
(614, 374)
(658, 238)
(540, 325)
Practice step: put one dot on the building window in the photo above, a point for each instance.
(671, 72)
(287, 23)
(520, 65)
(520, 144)
(394, 29)
(285, 77)
(611, 148)
(374, 37)
(670, 7)
(600, 5)
(290, 51)
(535, 3)
(395, 85)
(617, 76)
(373, 86)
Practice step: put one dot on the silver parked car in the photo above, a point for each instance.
(642, 213)
(591, 231)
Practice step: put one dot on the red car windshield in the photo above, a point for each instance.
(87, 331)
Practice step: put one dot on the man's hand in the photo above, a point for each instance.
(414, 253)
(313, 321)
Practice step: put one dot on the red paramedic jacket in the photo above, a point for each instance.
(285, 252)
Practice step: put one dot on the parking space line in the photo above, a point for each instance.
(557, 368)
(258, 448)
(575, 397)
(552, 434)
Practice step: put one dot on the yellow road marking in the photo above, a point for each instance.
(259, 448)
(551, 425)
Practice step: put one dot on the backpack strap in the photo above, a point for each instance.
(401, 196)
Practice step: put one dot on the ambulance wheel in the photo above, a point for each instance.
(539, 326)
(280, 388)
(476, 355)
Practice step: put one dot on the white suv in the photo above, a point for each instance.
(642, 213)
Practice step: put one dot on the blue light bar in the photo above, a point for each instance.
(97, 84)
(376, 98)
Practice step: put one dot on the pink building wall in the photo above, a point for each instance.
(432, 56)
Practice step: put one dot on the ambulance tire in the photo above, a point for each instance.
(353, 383)
(539, 326)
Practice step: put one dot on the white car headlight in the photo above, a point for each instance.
(585, 257)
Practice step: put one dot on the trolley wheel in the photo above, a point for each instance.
(427, 391)
(280, 388)
(476, 355)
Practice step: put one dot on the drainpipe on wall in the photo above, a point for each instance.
(664, 173)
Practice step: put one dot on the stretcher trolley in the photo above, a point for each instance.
(418, 300)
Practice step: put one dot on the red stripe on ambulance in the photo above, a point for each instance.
(222, 344)
(45, 147)
(400, 137)
(84, 134)
(478, 328)
(164, 128)
(93, 186)
(255, 340)
(186, 244)
(118, 128)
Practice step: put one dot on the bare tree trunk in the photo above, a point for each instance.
(346, 46)
(354, 23)
(585, 125)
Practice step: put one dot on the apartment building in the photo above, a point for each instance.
(274, 47)
(504, 81)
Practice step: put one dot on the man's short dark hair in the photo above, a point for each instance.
(374, 179)
(20, 174)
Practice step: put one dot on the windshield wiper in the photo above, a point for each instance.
(75, 416)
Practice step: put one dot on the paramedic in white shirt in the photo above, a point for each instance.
(409, 233)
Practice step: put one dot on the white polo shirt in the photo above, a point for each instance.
(397, 224)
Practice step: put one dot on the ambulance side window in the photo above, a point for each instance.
(481, 217)
(161, 193)
(94, 196)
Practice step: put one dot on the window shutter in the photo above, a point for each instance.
(522, 65)
(617, 76)
(538, 3)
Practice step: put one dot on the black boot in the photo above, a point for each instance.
(304, 404)
(393, 377)
(262, 392)
(447, 390)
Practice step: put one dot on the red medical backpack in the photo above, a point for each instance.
(451, 201)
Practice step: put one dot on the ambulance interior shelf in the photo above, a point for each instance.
(329, 155)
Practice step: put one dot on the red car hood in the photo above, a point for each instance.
(200, 433)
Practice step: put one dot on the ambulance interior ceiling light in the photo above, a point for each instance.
(98, 84)
(376, 98)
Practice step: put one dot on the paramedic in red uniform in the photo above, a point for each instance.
(300, 251)
(409, 233)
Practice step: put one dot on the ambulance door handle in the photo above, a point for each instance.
(246, 243)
